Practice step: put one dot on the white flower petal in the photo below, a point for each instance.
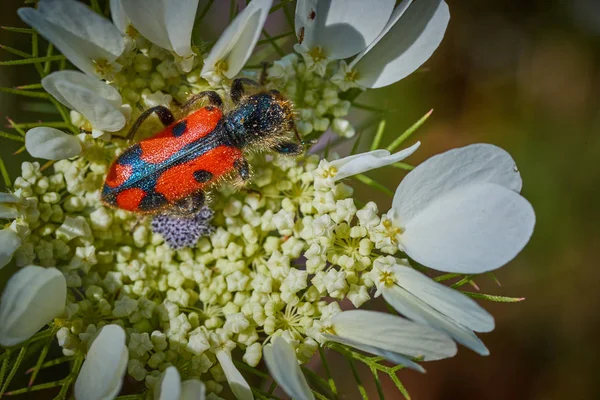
(283, 365)
(418, 311)
(476, 163)
(81, 34)
(9, 243)
(342, 28)
(101, 375)
(393, 334)
(148, 17)
(8, 207)
(118, 15)
(237, 383)
(406, 45)
(359, 163)
(169, 387)
(179, 17)
(51, 144)
(192, 389)
(32, 298)
(237, 42)
(96, 100)
(165, 23)
(391, 356)
(472, 229)
(449, 302)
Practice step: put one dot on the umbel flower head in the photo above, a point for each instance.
(187, 307)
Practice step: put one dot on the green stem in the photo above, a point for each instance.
(327, 372)
(407, 133)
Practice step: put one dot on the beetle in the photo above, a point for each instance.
(173, 170)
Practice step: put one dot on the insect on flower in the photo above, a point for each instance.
(174, 169)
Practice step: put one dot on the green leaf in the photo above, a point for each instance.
(18, 30)
(407, 133)
(26, 93)
(14, 51)
(328, 372)
(404, 166)
(378, 135)
(5, 176)
(494, 298)
(32, 60)
(274, 38)
(374, 184)
(10, 136)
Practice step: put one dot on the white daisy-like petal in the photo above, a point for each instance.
(237, 383)
(476, 163)
(51, 144)
(342, 28)
(32, 298)
(471, 229)
(8, 206)
(148, 17)
(409, 39)
(82, 35)
(192, 389)
(94, 99)
(419, 311)
(166, 23)
(449, 302)
(169, 387)
(9, 243)
(180, 22)
(391, 334)
(101, 375)
(391, 356)
(237, 42)
(118, 16)
(283, 365)
(359, 163)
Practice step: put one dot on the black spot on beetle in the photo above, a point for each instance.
(179, 128)
(152, 201)
(202, 176)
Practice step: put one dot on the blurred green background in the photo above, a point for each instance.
(524, 75)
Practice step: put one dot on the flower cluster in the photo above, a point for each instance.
(268, 278)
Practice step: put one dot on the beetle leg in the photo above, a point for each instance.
(243, 168)
(213, 99)
(288, 148)
(263, 73)
(237, 88)
(164, 114)
(189, 205)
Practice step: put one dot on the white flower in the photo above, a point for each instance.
(9, 243)
(88, 40)
(328, 172)
(235, 45)
(460, 211)
(408, 40)
(425, 301)
(337, 29)
(97, 101)
(237, 383)
(389, 336)
(281, 360)
(170, 387)
(165, 23)
(51, 144)
(101, 375)
(32, 298)
(9, 206)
